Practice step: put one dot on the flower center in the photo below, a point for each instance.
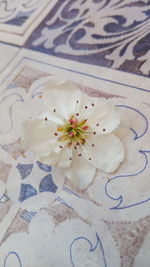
(74, 131)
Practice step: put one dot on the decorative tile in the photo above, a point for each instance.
(18, 19)
(114, 34)
(37, 197)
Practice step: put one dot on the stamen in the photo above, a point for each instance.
(94, 133)
(55, 134)
(97, 124)
(80, 155)
(93, 145)
(73, 126)
(71, 134)
(85, 127)
(89, 158)
(77, 114)
(70, 159)
(45, 119)
(77, 101)
(93, 105)
(60, 146)
(54, 110)
(104, 130)
(86, 107)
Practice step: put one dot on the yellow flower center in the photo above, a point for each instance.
(74, 131)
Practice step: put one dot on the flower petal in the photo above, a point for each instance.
(124, 127)
(39, 136)
(104, 152)
(104, 119)
(62, 159)
(61, 97)
(81, 173)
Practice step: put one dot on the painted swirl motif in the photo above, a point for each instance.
(15, 12)
(101, 32)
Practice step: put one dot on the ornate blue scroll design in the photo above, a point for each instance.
(16, 255)
(92, 248)
(119, 206)
(136, 136)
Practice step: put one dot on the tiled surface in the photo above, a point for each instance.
(43, 221)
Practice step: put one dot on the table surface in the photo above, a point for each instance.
(103, 47)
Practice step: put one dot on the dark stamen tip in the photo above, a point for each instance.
(93, 145)
(94, 133)
(45, 119)
(54, 110)
(92, 104)
(86, 107)
(77, 114)
(55, 134)
(79, 155)
(104, 130)
(89, 158)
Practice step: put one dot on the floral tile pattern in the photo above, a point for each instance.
(105, 225)
(106, 33)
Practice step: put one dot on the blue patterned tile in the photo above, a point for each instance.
(47, 185)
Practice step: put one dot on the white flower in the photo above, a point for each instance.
(76, 133)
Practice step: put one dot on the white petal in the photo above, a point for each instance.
(39, 136)
(104, 119)
(62, 159)
(106, 154)
(52, 116)
(61, 97)
(124, 127)
(81, 173)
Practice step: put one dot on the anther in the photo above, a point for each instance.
(89, 158)
(97, 124)
(104, 130)
(55, 134)
(94, 133)
(45, 119)
(92, 104)
(77, 114)
(54, 110)
(60, 146)
(79, 155)
(86, 107)
(70, 159)
(93, 145)
(85, 127)
(77, 101)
